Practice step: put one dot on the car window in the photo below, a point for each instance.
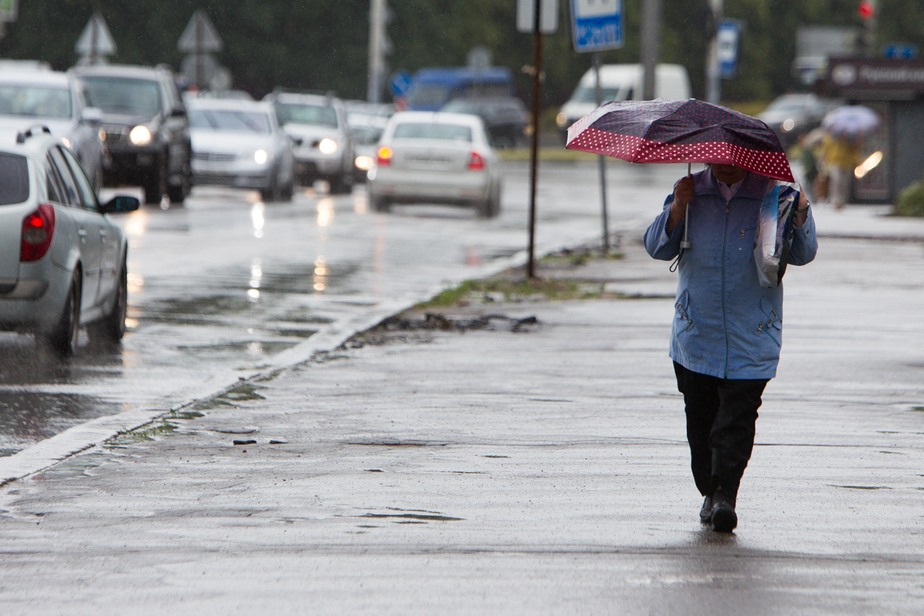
(230, 120)
(427, 130)
(14, 179)
(69, 192)
(87, 194)
(35, 101)
(124, 96)
(317, 115)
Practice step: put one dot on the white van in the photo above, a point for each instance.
(622, 82)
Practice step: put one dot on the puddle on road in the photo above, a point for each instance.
(27, 418)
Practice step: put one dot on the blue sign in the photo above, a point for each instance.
(399, 83)
(597, 24)
(897, 51)
(726, 38)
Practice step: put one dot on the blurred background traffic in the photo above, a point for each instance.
(333, 73)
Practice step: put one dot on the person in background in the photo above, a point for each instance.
(841, 155)
(727, 328)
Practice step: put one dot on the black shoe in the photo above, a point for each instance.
(705, 514)
(724, 519)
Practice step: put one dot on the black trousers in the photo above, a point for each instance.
(721, 423)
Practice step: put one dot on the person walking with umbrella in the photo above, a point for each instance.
(727, 329)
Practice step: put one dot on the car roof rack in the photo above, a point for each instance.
(29, 132)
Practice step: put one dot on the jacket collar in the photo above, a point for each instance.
(753, 186)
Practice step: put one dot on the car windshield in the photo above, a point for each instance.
(427, 130)
(14, 179)
(124, 96)
(790, 104)
(317, 115)
(586, 94)
(35, 101)
(231, 120)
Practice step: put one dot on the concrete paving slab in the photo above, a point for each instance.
(496, 472)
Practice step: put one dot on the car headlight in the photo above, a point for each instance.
(328, 146)
(561, 120)
(788, 124)
(140, 135)
(260, 157)
(363, 162)
(66, 142)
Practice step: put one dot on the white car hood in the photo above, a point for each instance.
(309, 132)
(229, 142)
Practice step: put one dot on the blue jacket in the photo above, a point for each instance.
(726, 324)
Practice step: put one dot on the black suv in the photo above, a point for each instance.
(146, 129)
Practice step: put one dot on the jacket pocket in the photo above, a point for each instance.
(772, 323)
(682, 309)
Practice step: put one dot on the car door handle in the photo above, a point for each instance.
(83, 234)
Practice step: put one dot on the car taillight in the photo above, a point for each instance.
(476, 162)
(38, 228)
(383, 158)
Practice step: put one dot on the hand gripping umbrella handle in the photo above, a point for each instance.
(685, 243)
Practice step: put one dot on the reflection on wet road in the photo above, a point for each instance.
(226, 282)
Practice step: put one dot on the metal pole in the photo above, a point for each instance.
(651, 40)
(713, 85)
(534, 152)
(376, 50)
(600, 158)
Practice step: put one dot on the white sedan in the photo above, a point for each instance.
(434, 157)
(239, 143)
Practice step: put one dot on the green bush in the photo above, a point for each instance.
(911, 200)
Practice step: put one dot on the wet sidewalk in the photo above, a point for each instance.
(538, 471)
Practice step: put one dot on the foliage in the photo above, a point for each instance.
(320, 44)
(911, 200)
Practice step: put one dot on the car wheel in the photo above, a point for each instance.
(379, 204)
(490, 207)
(339, 185)
(63, 338)
(177, 193)
(156, 184)
(287, 191)
(111, 328)
(271, 193)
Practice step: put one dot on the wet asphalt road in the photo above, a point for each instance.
(226, 285)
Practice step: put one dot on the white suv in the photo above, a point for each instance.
(62, 260)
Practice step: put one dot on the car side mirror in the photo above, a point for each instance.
(121, 204)
(91, 115)
(178, 112)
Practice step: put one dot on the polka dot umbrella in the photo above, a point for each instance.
(689, 131)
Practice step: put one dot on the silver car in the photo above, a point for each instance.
(56, 100)
(435, 157)
(62, 260)
(239, 143)
(323, 143)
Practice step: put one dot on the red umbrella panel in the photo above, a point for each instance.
(689, 131)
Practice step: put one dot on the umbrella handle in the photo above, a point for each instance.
(685, 244)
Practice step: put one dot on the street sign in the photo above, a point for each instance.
(200, 35)
(596, 24)
(548, 16)
(727, 37)
(399, 83)
(95, 40)
(897, 51)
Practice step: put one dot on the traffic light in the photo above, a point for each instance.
(865, 9)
